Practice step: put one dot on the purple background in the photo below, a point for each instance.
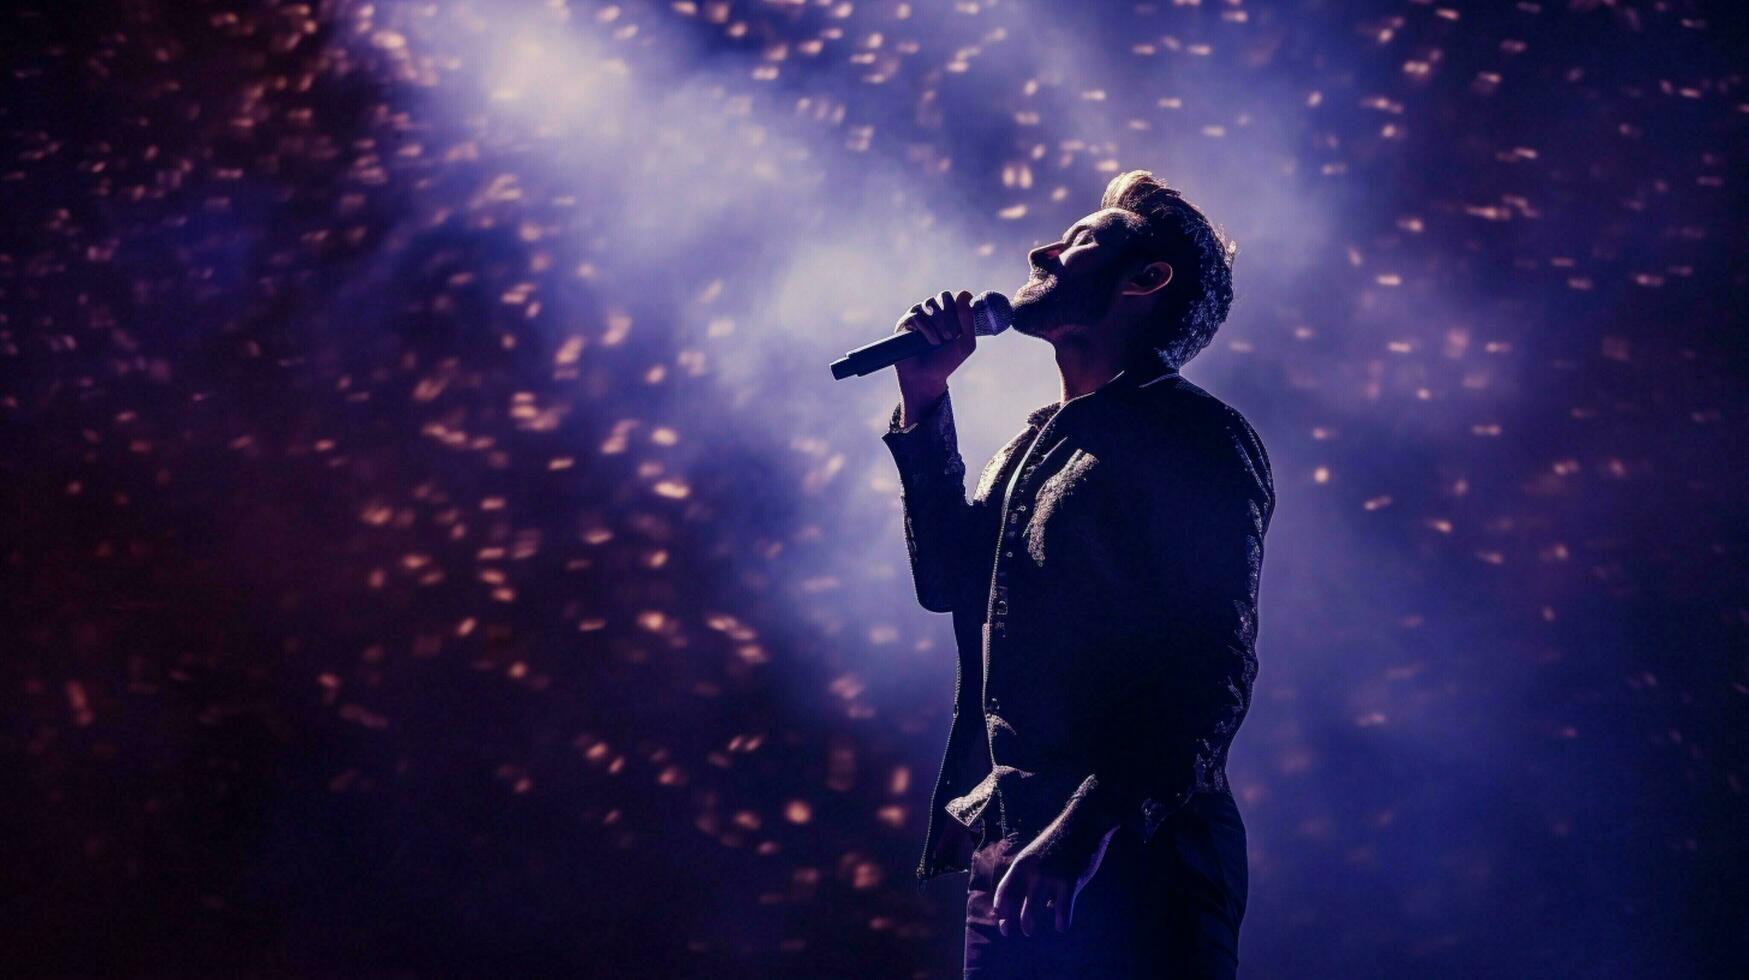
(434, 544)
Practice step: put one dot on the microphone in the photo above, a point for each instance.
(991, 315)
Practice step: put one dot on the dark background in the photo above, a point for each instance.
(433, 545)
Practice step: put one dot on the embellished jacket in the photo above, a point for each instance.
(1102, 581)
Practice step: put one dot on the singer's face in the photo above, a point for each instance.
(1074, 280)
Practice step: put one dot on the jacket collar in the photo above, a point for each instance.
(1150, 369)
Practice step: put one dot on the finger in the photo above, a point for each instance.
(932, 313)
(950, 315)
(920, 322)
(1008, 895)
(1029, 908)
(968, 327)
(1068, 904)
(999, 904)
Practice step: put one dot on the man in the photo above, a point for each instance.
(1103, 584)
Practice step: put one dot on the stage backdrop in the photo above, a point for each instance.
(434, 544)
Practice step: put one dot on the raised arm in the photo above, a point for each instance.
(938, 520)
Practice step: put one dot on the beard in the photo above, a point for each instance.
(1049, 303)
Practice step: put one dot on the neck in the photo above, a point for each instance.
(1085, 365)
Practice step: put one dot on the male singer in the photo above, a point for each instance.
(1103, 585)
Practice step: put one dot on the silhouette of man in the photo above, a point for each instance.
(1103, 583)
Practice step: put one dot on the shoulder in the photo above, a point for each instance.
(1175, 406)
(1180, 418)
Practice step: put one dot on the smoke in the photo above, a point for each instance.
(426, 408)
(768, 233)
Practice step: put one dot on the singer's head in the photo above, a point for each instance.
(1147, 271)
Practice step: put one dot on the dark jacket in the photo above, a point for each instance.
(1103, 584)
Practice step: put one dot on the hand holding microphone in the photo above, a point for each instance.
(931, 340)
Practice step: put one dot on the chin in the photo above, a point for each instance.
(1031, 293)
(1024, 321)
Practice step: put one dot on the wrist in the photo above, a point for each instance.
(916, 401)
(1072, 844)
(1090, 813)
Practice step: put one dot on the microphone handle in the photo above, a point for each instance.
(889, 350)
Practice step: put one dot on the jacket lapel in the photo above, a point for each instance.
(1002, 464)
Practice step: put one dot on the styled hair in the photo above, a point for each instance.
(1173, 229)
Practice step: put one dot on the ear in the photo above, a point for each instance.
(1149, 279)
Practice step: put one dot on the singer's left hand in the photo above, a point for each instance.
(1040, 887)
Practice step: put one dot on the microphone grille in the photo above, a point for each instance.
(991, 313)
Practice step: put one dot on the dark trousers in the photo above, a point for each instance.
(1169, 908)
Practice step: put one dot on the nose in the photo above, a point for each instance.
(1039, 255)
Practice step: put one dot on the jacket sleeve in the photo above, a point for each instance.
(938, 520)
(1188, 663)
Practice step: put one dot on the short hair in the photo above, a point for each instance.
(1201, 257)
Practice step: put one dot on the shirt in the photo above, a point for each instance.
(1104, 603)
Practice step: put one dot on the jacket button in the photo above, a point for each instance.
(1020, 507)
(1002, 608)
(1008, 554)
